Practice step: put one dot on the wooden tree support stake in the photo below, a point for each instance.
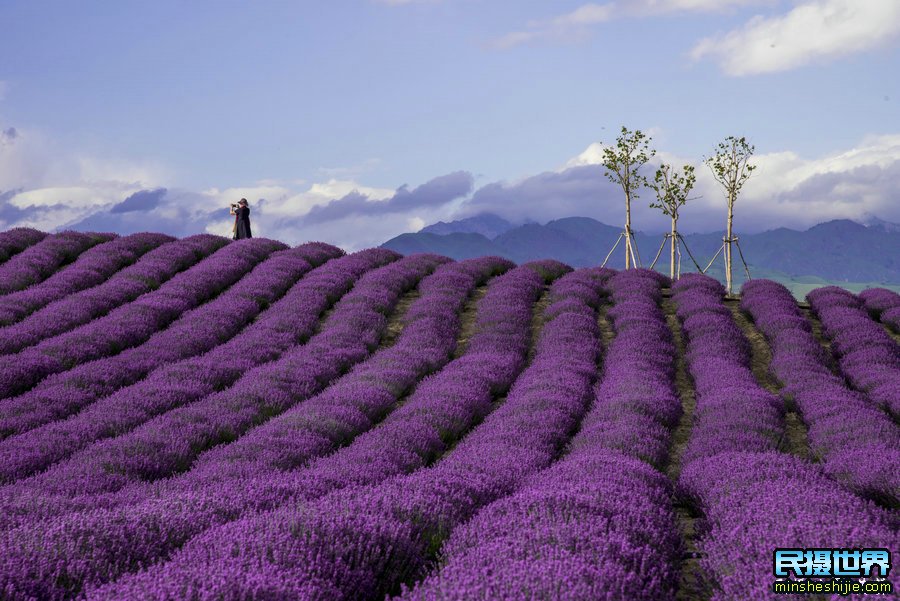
(609, 254)
(635, 251)
(678, 244)
(659, 252)
(690, 254)
(741, 254)
(630, 247)
(678, 263)
(713, 259)
(725, 242)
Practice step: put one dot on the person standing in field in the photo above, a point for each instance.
(241, 214)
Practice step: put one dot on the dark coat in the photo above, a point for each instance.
(242, 223)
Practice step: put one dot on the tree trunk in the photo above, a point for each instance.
(674, 243)
(728, 245)
(628, 251)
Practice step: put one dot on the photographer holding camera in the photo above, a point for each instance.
(241, 214)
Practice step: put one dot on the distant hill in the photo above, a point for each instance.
(487, 224)
(875, 222)
(457, 246)
(839, 251)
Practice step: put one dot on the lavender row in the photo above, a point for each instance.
(134, 323)
(755, 502)
(733, 411)
(868, 356)
(884, 305)
(41, 260)
(289, 322)
(356, 524)
(151, 271)
(635, 405)
(348, 335)
(14, 241)
(845, 430)
(442, 407)
(599, 523)
(503, 317)
(169, 443)
(188, 505)
(363, 397)
(196, 332)
(745, 490)
(94, 266)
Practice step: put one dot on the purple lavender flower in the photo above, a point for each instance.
(867, 355)
(196, 331)
(92, 267)
(503, 324)
(148, 274)
(841, 421)
(14, 241)
(134, 323)
(40, 260)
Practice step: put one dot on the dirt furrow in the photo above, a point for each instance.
(690, 586)
(795, 440)
(537, 324)
(685, 388)
(467, 321)
(820, 336)
(607, 333)
(893, 334)
(396, 320)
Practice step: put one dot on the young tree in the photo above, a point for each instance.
(623, 162)
(672, 189)
(730, 166)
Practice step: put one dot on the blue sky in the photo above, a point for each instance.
(301, 105)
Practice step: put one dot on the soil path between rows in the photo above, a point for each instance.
(796, 440)
(467, 320)
(690, 586)
(397, 318)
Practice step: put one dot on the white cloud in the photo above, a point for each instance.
(41, 186)
(50, 208)
(320, 194)
(277, 207)
(575, 25)
(564, 27)
(76, 197)
(51, 188)
(593, 154)
(586, 14)
(656, 7)
(786, 190)
(415, 224)
(795, 191)
(814, 31)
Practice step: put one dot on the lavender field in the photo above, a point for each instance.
(208, 419)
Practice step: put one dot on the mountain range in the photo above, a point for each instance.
(842, 251)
